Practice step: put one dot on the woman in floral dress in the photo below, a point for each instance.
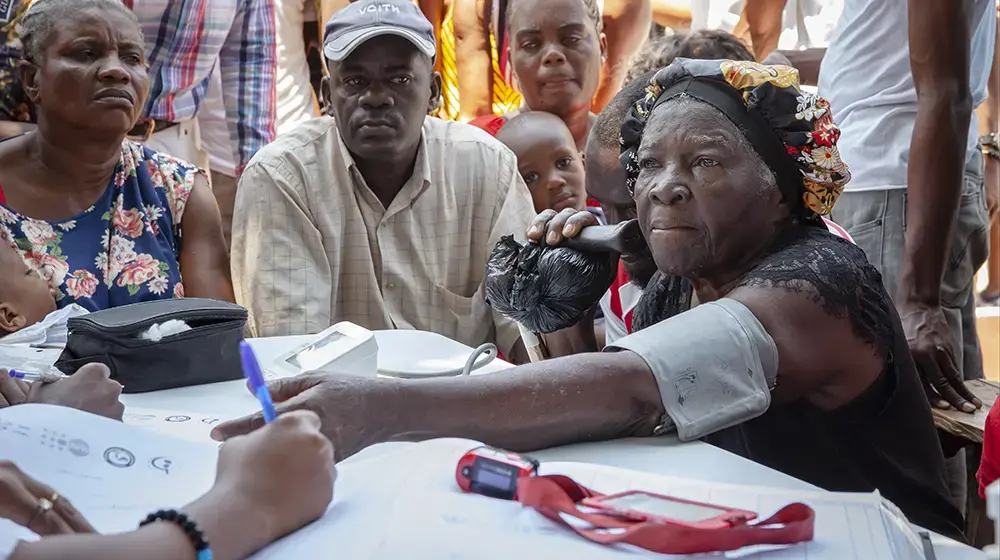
(106, 221)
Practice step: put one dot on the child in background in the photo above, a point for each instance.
(28, 313)
(547, 159)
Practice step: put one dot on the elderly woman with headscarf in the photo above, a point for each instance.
(106, 221)
(761, 333)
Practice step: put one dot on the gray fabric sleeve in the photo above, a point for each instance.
(714, 365)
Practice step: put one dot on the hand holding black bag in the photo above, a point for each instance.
(546, 289)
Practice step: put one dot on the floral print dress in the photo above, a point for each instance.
(124, 249)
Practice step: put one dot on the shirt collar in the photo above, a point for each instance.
(415, 185)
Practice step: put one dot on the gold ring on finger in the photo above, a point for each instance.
(44, 506)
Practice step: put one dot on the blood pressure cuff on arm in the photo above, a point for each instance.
(713, 364)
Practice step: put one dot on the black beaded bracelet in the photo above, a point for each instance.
(190, 528)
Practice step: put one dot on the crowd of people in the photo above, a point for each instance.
(804, 297)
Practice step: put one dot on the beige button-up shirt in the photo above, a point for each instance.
(312, 245)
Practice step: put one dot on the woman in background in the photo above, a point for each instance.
(106, 221)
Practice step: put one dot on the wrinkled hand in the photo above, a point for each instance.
(932, 348)
(283, 472)
(355, 411)
(551, 228)
(12, 391)
(19, 501)
(89, 389)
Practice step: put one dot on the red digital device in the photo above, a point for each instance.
(637, 505)
(493, 472)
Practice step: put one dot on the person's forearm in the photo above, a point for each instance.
(989, 110)
(939, 59)
(577, 339)
(9, 129)
(159, 541)
(589, 397)
(763, 18)
(807, 62)
(230, 528)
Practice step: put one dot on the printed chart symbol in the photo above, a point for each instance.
(79, 447)
(177, 418)
(119, 457)
(161, 464)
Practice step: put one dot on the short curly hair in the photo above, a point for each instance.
(607, 127)
(707, 44)
(591, 6)
(45, 16)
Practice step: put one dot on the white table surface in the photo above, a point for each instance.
(661, 455)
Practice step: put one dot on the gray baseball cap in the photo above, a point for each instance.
(360, 21)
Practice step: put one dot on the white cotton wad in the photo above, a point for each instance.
(160, 331)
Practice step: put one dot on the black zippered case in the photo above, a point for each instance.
(208, 353)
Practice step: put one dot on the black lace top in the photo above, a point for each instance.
(885, 439)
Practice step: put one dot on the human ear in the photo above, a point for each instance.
(435, 100)
(29, 80)
(10, 320)
(324, 93)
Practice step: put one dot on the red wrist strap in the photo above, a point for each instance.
(553, 495)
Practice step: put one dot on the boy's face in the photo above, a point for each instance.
(551, 166)
(25, 297)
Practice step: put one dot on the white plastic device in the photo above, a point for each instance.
(413, 354)
(344, 348)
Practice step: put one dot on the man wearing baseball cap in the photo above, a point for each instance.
(377, 213)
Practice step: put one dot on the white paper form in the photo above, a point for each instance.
(27, 358)
(405, 503)
(113, 473)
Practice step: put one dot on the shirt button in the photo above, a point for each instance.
(390, 285)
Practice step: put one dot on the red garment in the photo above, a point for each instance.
(3, 199)
(490, 123)
(989, 466)
(623, 297)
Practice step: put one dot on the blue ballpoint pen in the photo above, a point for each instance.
(251, 370)
(31, 376)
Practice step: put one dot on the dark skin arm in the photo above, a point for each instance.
(577, 339)
(586, 397)
(939, 60)
(626, 27)
(989, 122)
(471, 19)
(567, 400)
(204, 259)
(764, 18)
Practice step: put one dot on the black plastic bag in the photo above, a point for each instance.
(543, 288)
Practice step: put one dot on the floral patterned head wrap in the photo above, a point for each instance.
(791, 130)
